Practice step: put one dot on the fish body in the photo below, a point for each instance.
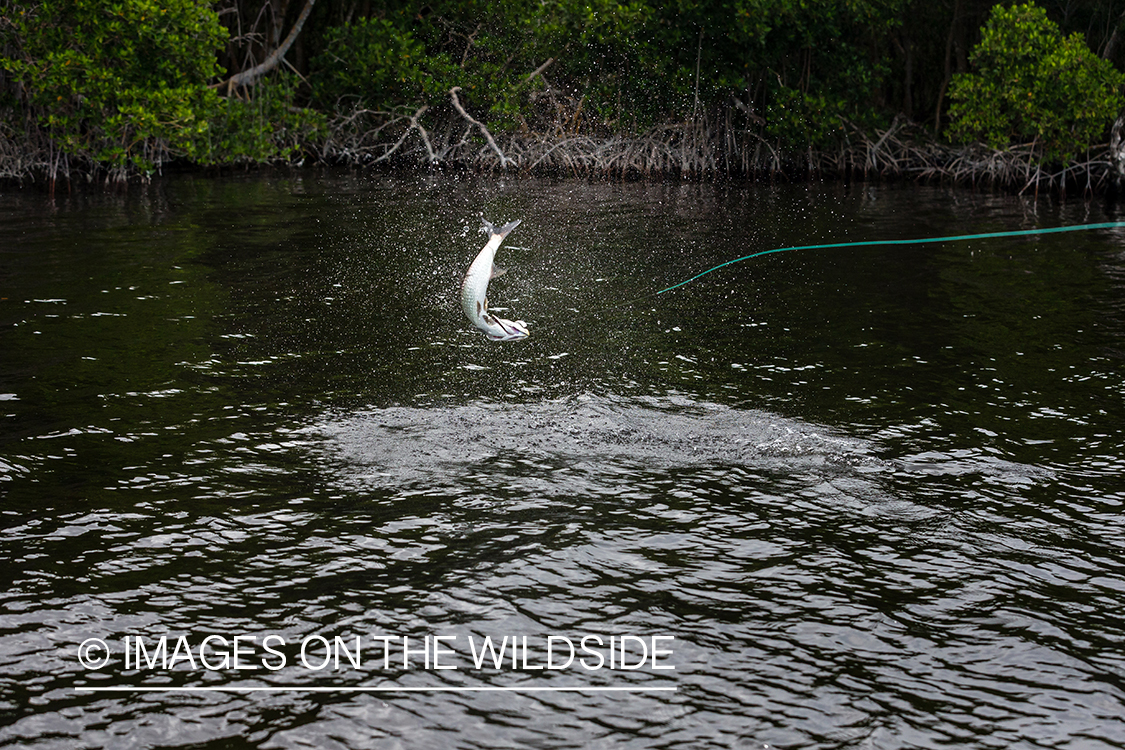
(474, 289)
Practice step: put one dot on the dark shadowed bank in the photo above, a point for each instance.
(1016, 96)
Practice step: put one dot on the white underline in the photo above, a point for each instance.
(313, 689)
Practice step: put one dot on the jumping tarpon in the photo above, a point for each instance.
(475, 288)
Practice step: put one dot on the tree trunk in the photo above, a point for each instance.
(1117, 150)
(1111, 44)
(906, 48)
(251, 76)
(278, 8)
(948, 64)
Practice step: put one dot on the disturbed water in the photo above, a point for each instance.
(867, 497)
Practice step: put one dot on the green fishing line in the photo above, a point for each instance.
(957, 238)
(954, 238)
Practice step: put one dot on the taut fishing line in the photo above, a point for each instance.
(956, 238)
(922, 241)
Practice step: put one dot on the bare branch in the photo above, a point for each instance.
(413, 125)
(250, 77)
(539, 70)
(491, 141)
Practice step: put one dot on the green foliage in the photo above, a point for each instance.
(372, 62)
(1033, 85)
(619, 65)
(604, 54)
(269, 126)
(124, 86)
(122, 83)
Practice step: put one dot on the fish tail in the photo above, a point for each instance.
(502, 231)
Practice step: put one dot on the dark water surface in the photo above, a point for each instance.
(874, 494)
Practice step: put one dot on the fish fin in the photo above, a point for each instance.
(497, 271)
(509, 227)
(502, 231)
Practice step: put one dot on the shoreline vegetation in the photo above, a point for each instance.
(684, 150)
(705, 150)
(93, 92)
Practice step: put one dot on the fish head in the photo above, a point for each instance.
(508, 330)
